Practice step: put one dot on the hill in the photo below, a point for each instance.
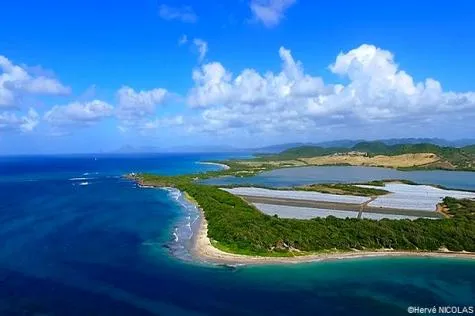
(469, 149)
(446, 157)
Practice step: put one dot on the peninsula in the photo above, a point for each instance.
(234, 230)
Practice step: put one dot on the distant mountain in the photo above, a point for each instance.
(274, 149)
(398, 141)
(345, 143)
(348, 143)
(435, 141)
(277, 148)
(128, 149)
(372, 148)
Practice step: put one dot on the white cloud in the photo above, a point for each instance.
(77, 113)
(185, 14)
(270, 12)
(9, 121)
(162, 122)
(214, 85)
(16, 81)
(136, 106)
(378, 92)
(202, 47)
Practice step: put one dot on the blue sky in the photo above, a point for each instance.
(89, 76)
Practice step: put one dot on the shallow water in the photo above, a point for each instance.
(105, 249)
(344, 174)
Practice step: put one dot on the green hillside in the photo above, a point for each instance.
(469, 149)
(308, 151)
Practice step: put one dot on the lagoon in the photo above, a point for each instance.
(349, 174)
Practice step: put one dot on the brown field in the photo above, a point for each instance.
(399, 161)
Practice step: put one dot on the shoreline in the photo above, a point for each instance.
(222, 165)
(203, 250)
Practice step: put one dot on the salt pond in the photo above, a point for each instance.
(401, 197)
(415, 197)
(298, 195)
(346, 174)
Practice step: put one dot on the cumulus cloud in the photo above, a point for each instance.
(270, 12)
(159, 123)
(78, 114)
(185, 14)
(16, 81)
(136, 106)
(9, 121)
(292, 100)
(214, 85)
(202, 47)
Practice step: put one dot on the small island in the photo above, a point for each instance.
(235, 230)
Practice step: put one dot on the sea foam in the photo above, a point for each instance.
(182, 235)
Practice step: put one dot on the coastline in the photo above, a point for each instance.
(204, 251)
(222, 165)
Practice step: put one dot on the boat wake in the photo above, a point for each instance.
(80, 179)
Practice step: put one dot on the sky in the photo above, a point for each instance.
(94, 76)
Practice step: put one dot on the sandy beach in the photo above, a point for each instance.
(222, 165)
(204, 251)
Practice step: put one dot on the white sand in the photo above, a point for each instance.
(222, 165)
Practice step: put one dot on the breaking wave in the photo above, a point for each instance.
(182, 239)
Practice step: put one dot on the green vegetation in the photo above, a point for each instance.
(337, 188)
(460, 209)
(469, 149)
(343, 189)
(305, 152)
(381, 183)
(235, 226)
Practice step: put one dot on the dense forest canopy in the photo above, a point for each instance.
(241, 228)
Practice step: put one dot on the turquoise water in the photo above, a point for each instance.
(307, 175)
(107, 248)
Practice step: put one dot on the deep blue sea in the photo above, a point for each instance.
(77, 239)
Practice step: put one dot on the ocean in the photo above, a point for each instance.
(78, 239)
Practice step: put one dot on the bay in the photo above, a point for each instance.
(106, 248)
